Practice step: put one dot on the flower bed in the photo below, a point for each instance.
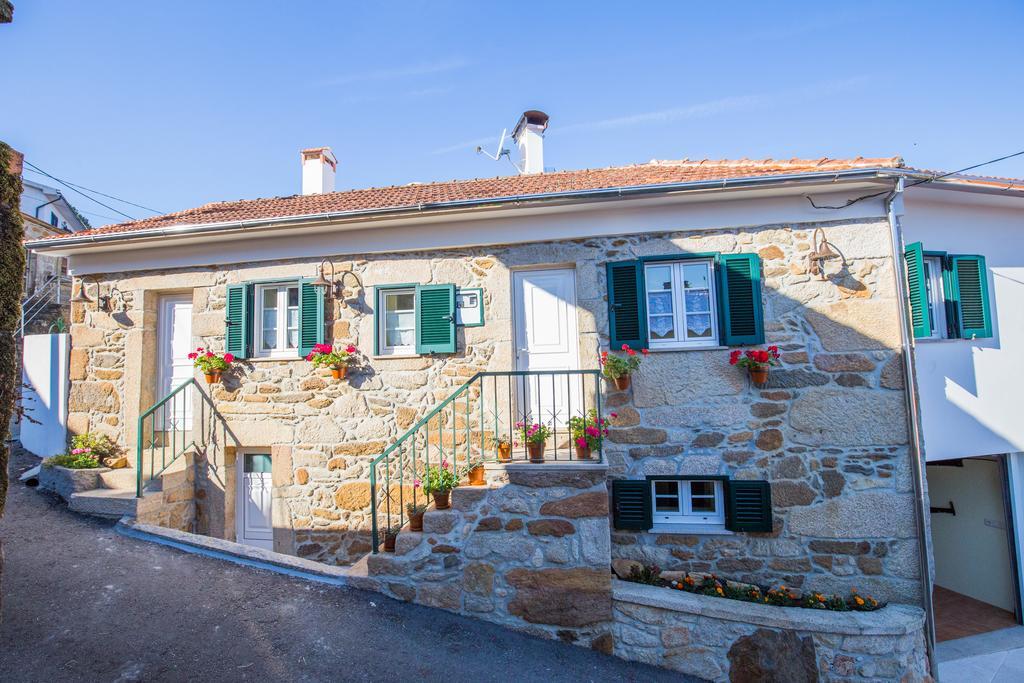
(711, 585)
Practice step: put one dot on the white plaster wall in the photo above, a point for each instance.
(45, 395)
(972, 557)
(971, 390)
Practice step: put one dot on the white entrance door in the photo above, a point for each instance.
(253, 525)
(546, 339)
(175, 335)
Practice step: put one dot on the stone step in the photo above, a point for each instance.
(465, 497)
(123, 478)
(104, 502)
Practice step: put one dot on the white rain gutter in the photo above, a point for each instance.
(917, 460)
(422, 209)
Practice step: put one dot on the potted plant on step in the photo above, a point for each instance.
(619, 368)
(535, 437)
(212, 365)
(475, 473)
(390, 538)
(504, 449)
(587, 433)
(438, 481)
(415, 512)
(338, 361)
(757, 362)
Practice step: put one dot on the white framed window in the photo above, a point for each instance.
(936, 296)
(681, 305)
(277, 320)
(396, 333)
(688, 501)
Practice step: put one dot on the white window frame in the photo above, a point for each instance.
(684, 513)
(382, 321)
(679, 306)
(281, 348)
(936, 297)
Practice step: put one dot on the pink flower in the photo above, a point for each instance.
(593, 431)
(444, 464)
(209, 354)
(200, 348)
(350, 349)
(229, 358)
(581, 442)
(416, 483)
(614, 415)
(192, 356)
(625, 347)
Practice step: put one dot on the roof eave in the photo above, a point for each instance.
(814, 177)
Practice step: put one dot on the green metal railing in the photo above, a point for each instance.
(170, 433)
(465, 429)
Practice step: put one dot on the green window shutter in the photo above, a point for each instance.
(238, 336)
(739, 295)
(970, 296)
(311, 317)
(435, 319)
(627, 306)
(748, 506)
(631, 504)
(917, 290)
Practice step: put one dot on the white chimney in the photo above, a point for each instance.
(318, 168)
(529, 136)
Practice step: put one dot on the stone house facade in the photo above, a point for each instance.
(827, 438)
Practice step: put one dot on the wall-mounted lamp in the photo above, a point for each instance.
(336, 286)
(820, 253)
(105, 303)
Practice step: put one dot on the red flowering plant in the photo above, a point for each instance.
(588, 431)
(209, 362)
(615, 366)
(325, 355)
(755, 359)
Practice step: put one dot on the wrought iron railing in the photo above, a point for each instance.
(467, 426)
(170, 433)
(50, 292)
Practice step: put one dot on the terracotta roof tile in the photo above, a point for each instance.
(654, 172)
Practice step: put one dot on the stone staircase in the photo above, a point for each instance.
(115, 497)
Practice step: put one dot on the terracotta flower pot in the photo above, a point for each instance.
(441, 499)
(389, 542)
(536, 451)
(212, 377)
(621, 383)
(583, 452)
(339, 372)
(759, 375)
(416, 521)
(504, 452)
(476, 476)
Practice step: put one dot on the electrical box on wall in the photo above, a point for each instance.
(469, 307)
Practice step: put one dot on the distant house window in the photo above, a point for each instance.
(277, 320)
(681, 308)
(688, 501)
(54, 221)
(397, 333)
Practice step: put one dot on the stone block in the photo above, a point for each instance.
(848, 417)
(590, 504)
(478, 578)
(843, 362)
(667, 379)
(860, 515)
(445, 596)
(439, 521)
(550, 527)
(561, 597)
(856, 324)
(548, 478)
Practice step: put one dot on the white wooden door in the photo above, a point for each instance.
(546, 339)
(253, 521)
(175, 335)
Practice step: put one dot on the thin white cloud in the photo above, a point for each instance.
(393, 96)
(421, 69)
(467, 144)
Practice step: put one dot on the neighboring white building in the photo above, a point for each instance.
(969, 354)
(47, 213)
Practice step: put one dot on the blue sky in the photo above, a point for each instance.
(175, 104)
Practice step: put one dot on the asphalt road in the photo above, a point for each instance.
(83, 603)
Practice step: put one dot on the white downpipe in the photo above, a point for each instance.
(922, 509)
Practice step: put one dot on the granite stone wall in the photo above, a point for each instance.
(828, 432)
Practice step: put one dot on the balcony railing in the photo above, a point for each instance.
(467, 427)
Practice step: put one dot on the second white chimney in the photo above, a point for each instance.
(318, 169)
(529, 137)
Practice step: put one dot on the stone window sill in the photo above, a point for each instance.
(692, 529)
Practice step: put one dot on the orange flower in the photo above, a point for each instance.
(859, 600)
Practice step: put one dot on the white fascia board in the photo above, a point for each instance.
(480, 228)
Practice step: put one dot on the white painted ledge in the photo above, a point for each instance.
(894, 620)
(554, 465)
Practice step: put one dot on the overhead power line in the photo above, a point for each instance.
(851, 202)
(108, 196)
(73, 189)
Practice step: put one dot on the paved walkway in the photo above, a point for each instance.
(995, 657)
(83, 603)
